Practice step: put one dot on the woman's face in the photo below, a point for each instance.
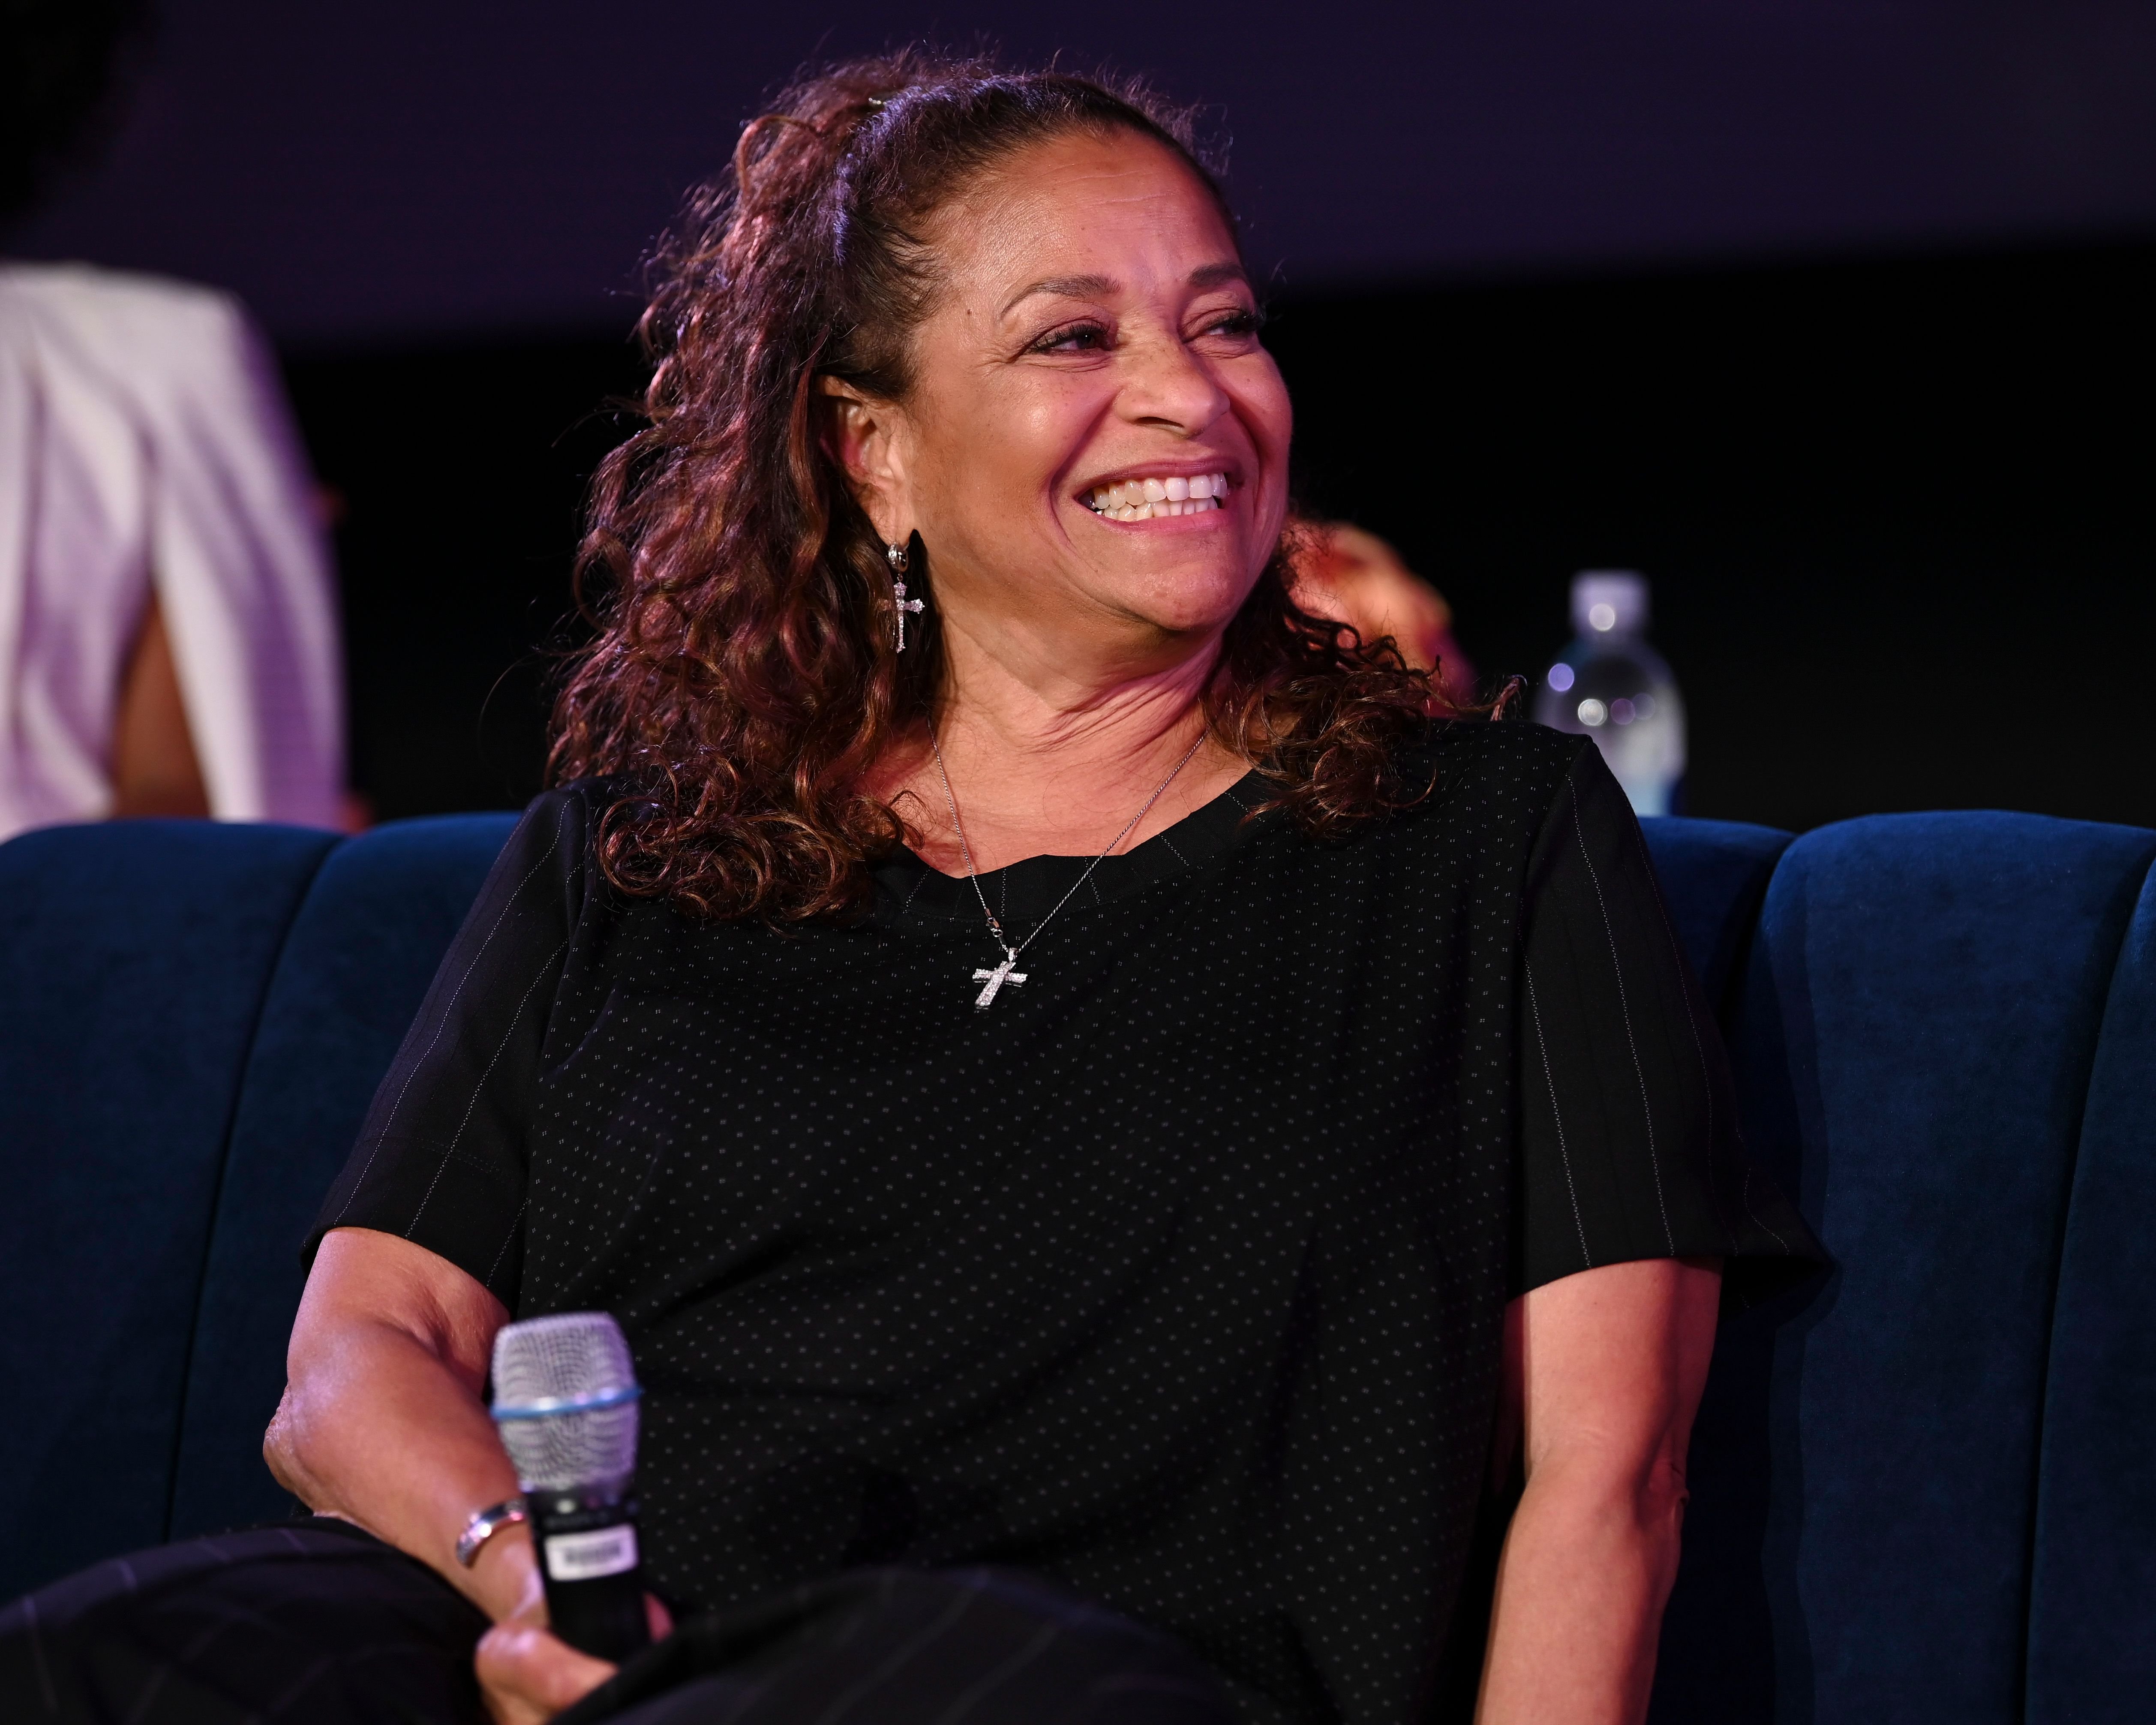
(1095, 443)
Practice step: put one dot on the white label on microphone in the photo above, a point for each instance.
(586, 1556)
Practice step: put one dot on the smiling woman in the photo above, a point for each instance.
(946, 311)
(1131, 1156)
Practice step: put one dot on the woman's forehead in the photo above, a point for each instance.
(1085, 212)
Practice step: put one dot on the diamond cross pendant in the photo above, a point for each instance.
(904, 605)
(996, 979)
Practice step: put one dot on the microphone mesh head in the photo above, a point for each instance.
(572, 1357)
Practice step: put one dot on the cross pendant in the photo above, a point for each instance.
(996, 979)
(904, 605)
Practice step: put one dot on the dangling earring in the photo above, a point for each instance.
(901, 559)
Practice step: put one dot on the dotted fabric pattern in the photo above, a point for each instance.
(1177, 1275)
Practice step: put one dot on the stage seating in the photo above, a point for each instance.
(1924, 1489)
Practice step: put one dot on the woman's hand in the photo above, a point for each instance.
(382, 1424)
(528, 1673)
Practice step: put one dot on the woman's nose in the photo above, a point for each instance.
(1166, 384)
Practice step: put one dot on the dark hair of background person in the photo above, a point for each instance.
(58, 60)
(744, 678)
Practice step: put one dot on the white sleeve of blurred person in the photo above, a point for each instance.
(153, 494)
(1356, 578)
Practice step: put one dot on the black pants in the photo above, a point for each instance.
(316, 1622)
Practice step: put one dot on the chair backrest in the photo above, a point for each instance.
(133, 962)
(348, 983)
(2092, 1595)
(1915, 1040)
(193, 1017)
(1714, 875)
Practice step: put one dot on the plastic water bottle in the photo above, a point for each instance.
(1609, 684)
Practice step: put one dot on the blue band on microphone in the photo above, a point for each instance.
(546, 1406)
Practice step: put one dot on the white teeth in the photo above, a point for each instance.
(1149, 499)
(1166, 506)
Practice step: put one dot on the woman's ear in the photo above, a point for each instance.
(866, 437)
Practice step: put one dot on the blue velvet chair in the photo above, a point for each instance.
(1923, 1490)
(192, 1021)
(1918, 1490)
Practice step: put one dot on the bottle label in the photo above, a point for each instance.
(586, 1556)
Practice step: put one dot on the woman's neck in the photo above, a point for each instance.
(1048, 758)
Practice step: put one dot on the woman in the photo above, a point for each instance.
(1055, 1061)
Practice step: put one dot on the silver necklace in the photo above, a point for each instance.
(1007, 972)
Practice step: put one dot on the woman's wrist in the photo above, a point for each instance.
(484, 1524)
(503, 1580)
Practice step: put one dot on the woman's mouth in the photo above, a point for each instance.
(1144, 499)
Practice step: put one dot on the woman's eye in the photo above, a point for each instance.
(1074, 338)
(1237, 323)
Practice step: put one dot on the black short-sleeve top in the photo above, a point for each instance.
(1176, 1273)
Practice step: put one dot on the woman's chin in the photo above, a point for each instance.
(1198, 567)
(1195, 601)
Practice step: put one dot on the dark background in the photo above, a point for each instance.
(1831, 318)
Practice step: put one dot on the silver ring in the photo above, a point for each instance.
(484, 1524)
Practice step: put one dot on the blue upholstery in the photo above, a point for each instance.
(133, 962)
(1914, 1044)
(1713, 873)
(349, 981)
(1925, 1490)
(2092, 1606)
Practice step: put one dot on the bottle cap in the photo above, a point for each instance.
(1610, 601)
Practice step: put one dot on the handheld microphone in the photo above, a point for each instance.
(565, 1397)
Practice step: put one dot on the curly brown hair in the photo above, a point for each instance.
(743, 678)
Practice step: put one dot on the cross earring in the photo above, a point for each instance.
(901, 559)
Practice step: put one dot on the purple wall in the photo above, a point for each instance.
(407, 170)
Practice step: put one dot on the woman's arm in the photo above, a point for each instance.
(383, 1422)
(1604, 1372)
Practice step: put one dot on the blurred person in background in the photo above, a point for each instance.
(1357, 578)
(168, 622)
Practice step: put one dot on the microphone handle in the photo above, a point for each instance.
(592, 1570)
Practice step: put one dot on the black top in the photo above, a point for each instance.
(1177, 1274)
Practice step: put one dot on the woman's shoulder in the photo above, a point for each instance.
(580, 804)
(1476, 767)
(1469, 793)
(1475, 797)
(553, 844)
(561, 818)
(564, 844)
